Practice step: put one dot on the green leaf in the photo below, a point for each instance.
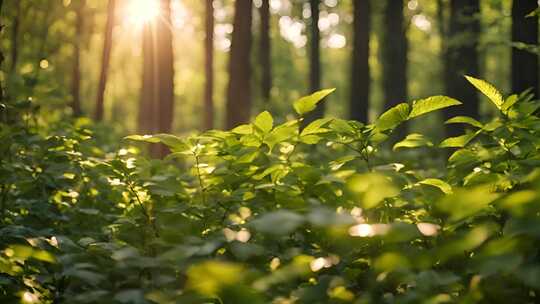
(534, 13)
(467, 202)
(458, 141)
(316, 127)
(488, 90)
(243, 129)
(173, 142)
(464, 120)
(430, 104)
(412, 141)
(393, 117)
(463, 157)
(509, 102)
(210, 277)
(279, 134)
(264, 122)
(435, 182)
(278, 222)
(371, 189)
(145, 138)
(309, 103)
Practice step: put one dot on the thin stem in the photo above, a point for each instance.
(144, 210)
(201, 184)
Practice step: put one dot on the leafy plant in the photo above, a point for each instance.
(276, 213)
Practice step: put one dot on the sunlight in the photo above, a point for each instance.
(139, 12)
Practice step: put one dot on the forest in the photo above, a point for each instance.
(269, 151)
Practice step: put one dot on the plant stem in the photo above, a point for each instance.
(144, 211)
(201, 184)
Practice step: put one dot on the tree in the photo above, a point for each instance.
(165, 66)
(265, 50)
(315, 58)
(239, 88)
(105, 60)
(76, 76)
(360, 80)
(1, 55)
(15, 38)
(148, 97)
(394, 54)
(461, 58)
(524, 30)
(208, 122)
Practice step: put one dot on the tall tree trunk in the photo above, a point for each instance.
(148, 117)
(394, 53)
(265, 50)
(239, 89)
(315, 59)
(524, 64)
(165, 66)
(1, 54)
(105, 60)
(76, 76)
(15, 38)
(462, 59)
(209, 67)
(360, 80)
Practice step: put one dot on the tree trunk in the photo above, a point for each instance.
(462, 59)
(265, 51)
(148, 100)
(239, 90)
(315, 59)
(525, 30)
(360, 80)
(76, 77)
(1, 55)
(209, 67)
(165, 62)
(15, 38)
(105, 60)
(394, 53)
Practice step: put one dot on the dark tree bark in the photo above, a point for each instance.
(315, 59)
(239, 89)
(1, 54)
(76, 76)
(360, 80)
(15, 38)
(105, 60)
(208, 122)
(265, 50)
(462, 59)
(394, 53)
(165, 66)
(524, 64)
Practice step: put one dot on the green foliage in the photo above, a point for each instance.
(308, 103)
(273, 213)
(487, 89)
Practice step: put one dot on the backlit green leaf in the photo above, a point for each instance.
(413, 140)
(309, 103)
(464, 120)
(435, 182)
(431, 104)
(488, 90)
(458, 141)
(264, 122)
(393, 117)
